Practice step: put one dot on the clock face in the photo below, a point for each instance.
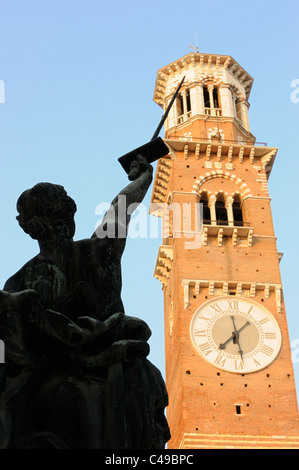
(235, 334)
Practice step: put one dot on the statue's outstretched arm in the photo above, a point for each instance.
(123, 205)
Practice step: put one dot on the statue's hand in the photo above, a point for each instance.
(139, 166)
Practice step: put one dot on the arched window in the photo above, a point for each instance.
(180, 105)
(216, 98)
(206, 97)
(237, 211)
(188, 101)
(183, 104)
(211, 101)
(206, 214)
(221, 212)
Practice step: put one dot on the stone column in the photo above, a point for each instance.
(197, 101)
(234, 99)
(184, 110)
(212, 206)
(210, 90)
(171, 120)
(244, 111)
(175, 109)
(226, 101)
(201, 99)
(229, 208)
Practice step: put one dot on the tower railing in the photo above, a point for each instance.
(235, 223)
(183, 117)
(211, 140)
(213, 112)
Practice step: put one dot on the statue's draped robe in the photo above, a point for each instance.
(75, 373)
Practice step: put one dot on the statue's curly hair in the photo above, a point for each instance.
(44, 209)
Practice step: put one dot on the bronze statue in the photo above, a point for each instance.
(76, 374)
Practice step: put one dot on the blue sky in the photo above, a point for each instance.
(79, 79)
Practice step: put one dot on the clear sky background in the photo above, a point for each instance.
(79, 79)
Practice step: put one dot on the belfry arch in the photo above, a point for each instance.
(200, 184)
(222, 199)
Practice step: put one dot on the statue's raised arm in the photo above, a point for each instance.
(116, 220)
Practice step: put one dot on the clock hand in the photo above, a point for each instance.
(233, 336)
(236, 334)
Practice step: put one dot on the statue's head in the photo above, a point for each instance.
(47, 212)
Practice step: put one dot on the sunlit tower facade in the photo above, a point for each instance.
(229, 372)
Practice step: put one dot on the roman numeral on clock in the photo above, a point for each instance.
(267, 350)
(239, 365)
(220, 360)
(233, 305)
(256, 362)
(270, 335)
(203, 318)
(200, 333)
(205, 348)
(216, 308)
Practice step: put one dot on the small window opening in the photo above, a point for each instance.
(180, 105)
(188, 100)
(221, 212)
(206, 214)
(206, 97)
(215, 98)
(238, 409)
(237, 211)
(183, 106)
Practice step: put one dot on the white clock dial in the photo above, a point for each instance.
(235, 334)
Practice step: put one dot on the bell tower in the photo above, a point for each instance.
(229, 372)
